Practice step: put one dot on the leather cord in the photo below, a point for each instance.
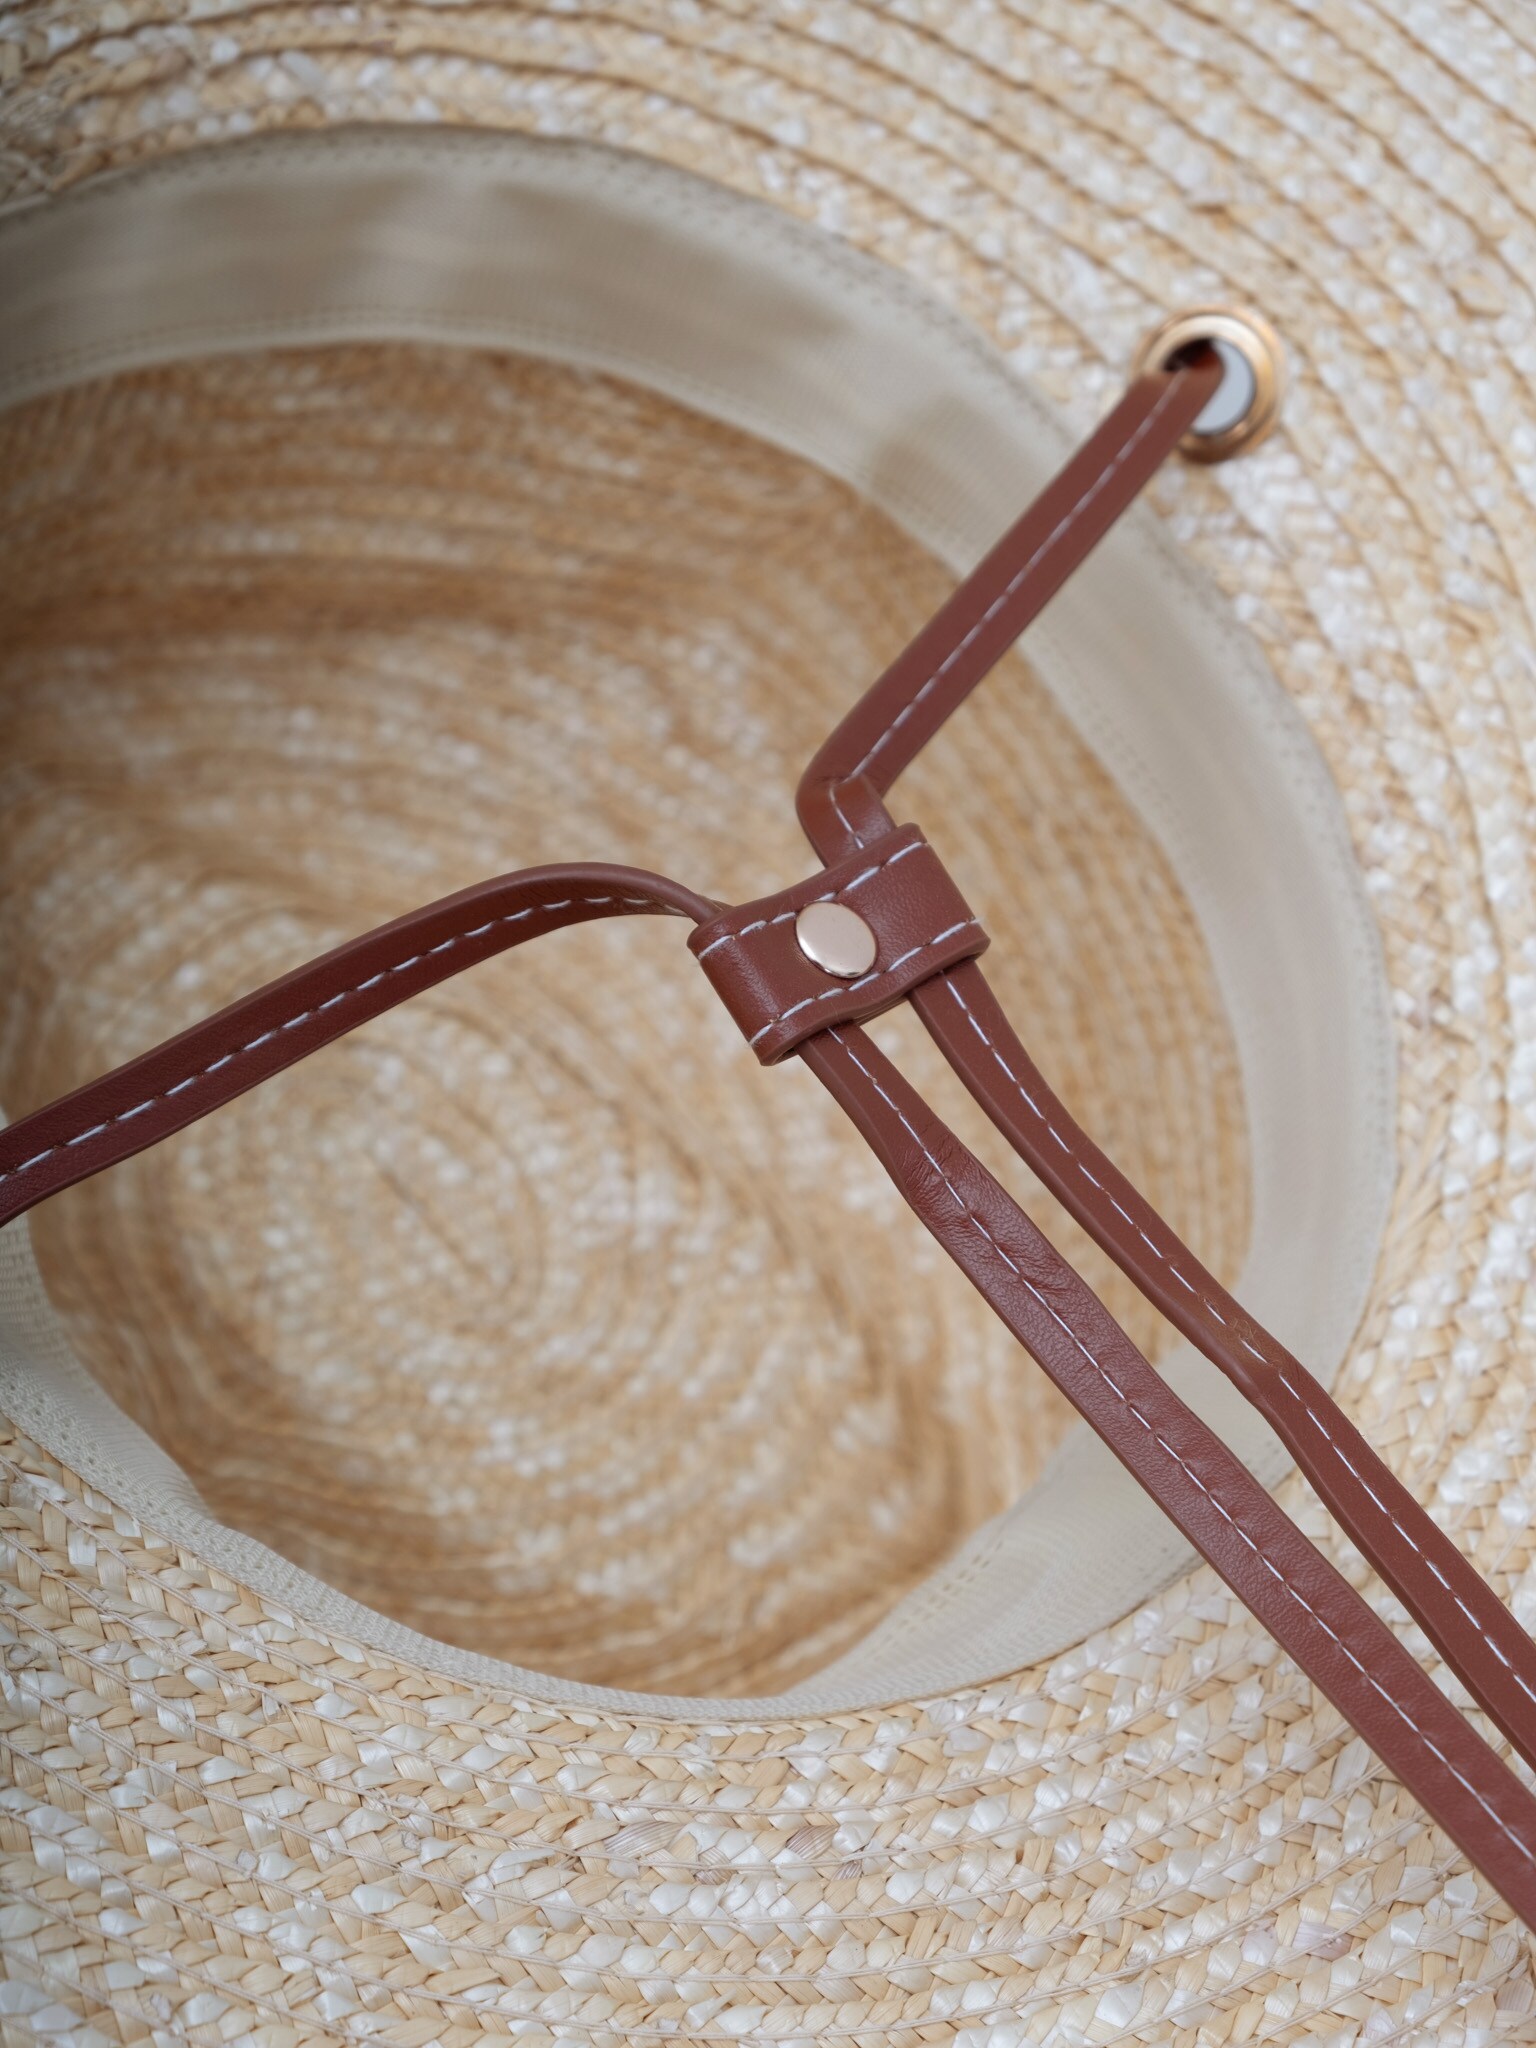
(1311, 1610)
(174, 1084)
(841, 805)
(839, 795)
(1455, 1606)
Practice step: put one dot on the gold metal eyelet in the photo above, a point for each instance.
(1247, 401)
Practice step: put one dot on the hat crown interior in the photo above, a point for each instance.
(538, 503)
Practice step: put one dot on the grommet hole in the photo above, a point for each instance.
(1246, 403)
(1235, 394)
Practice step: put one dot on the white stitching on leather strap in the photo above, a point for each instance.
(917, 846)
(758, 925)
(1086, 1171)
(251, 1045)
(1299, 1398)
(1063, 526)
(829, 896)
(849, 988)
(1273, 1363)
(834, 790)
(1237, 1528)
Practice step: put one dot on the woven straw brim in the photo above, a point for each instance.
(222, 1822)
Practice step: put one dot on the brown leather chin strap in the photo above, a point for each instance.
(839, 799)
(174, 1084)
(923, 946)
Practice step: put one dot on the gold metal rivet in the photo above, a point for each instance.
(1247, 402)
(837, 939)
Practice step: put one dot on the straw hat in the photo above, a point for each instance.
(440, 440)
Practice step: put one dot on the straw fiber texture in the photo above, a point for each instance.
(530, 1317)
(223, 1825)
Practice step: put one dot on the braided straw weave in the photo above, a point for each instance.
(493, 1360)
(460, 1363)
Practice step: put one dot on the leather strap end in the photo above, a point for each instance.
(919, 921)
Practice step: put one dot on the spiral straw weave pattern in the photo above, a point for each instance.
(527, 1318)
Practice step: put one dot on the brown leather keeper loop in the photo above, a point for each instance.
(780, 997)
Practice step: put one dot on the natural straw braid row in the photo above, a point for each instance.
(366, 1848)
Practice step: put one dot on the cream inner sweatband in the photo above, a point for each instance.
(588, 256)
